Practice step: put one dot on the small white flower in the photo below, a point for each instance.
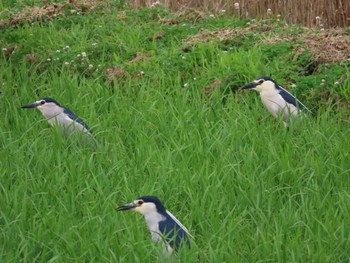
(322, 29)
(94, 44)
(183, 57)
(91, 66)
(141, 72)
(66, 63)
(49, 59)
(223, 11)
(269, 10)
(100, 26)
(58, 51)
(248, 23)
(194, 79)
(336, 83)
(211, 15)
(184, 24)
(253, 20)
(278, 15)
(318, 18)
(83, 54)
(78, 13)
(99, 65)
(54, 15)
(185, 85)
(78, 56)
(294, 85)
(323, 80)
(278, 20)
(67, 47)
(4, 49)
(236, 5)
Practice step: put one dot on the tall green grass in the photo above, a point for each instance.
(247, 188)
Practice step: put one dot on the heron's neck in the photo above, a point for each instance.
(51, 112)
(152, 220)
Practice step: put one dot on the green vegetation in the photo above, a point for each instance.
(157, 93)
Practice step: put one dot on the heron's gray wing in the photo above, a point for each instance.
(74, 117)
(288, 97)
(173, 231)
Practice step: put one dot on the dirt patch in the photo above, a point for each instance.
(185, 15)
(328, 46)
(138, 57)
(210, 88)
(219, 34)
(116, 74)
(50, 11)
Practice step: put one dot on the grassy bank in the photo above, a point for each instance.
(160, 91)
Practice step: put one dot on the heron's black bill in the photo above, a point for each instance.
(126, 207)
(250, 85)
(29, 106)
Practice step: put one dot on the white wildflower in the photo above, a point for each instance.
(236, 5)
(185, 85)
(83, 54)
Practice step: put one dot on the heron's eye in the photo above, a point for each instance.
(140, 202)
(261, 81)
(42, 102)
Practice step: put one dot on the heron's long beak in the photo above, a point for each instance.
(32, 105)
(251, 85)
(126, 206)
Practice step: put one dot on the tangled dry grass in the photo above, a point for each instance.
(49, 11)
(331, 12)
(327, 46)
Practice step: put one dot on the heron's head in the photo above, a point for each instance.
(144, 205)
(44, 104)
(261, 84)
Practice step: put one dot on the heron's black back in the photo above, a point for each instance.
(173, 233)
(74, 117)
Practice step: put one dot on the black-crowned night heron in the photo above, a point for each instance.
(162, 224)
(61, 116)
(276, 99)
